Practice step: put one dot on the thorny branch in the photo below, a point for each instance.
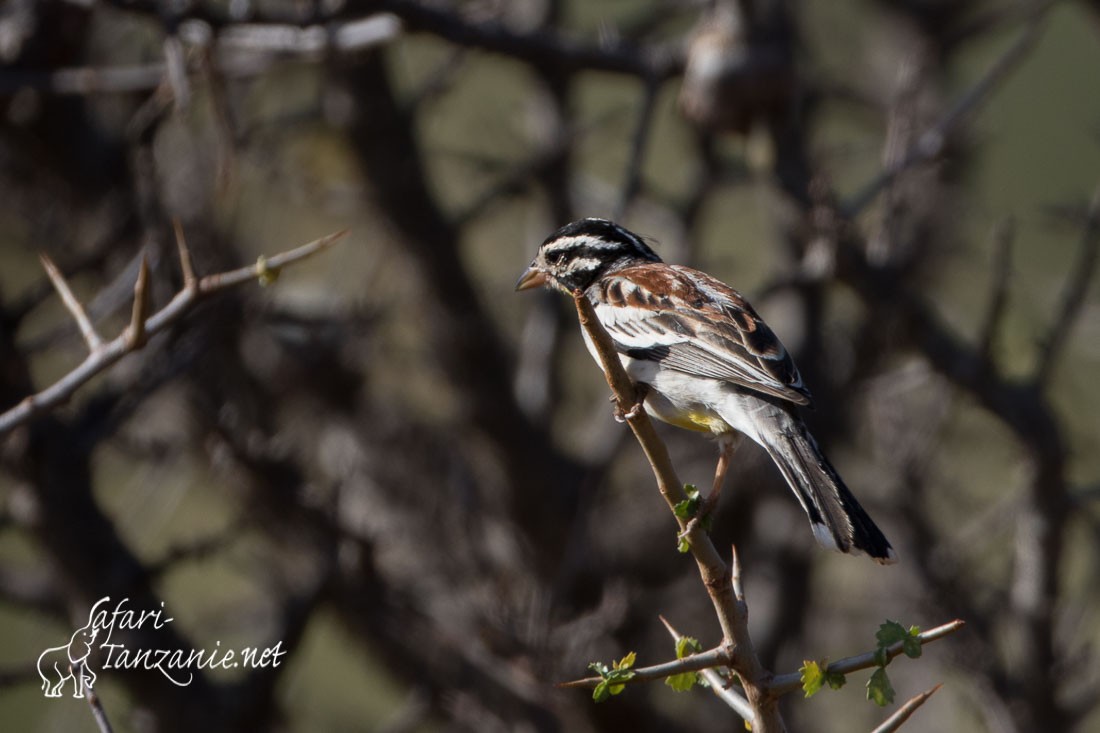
(932, 143)
(732, 613)
(784, 683)
(102, 355)
(1073, 296)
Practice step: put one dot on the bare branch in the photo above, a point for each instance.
(784, 683)
(250, 50)
(1073, 295)
(96, 706)
(998, 299)
(720, 686)
(85, 80)
(539, 48)
(933, 141)
(638, 142)
(109, 353)
(902, 714)
(266, 267)
(175, 65)
(91, 338)
(355, 35)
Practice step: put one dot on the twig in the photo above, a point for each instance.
(542, 48)
(96, 706)
(635, 162)
(998, 299)
(250, 51)
(91, 338)
(719, 685)
(86, 80)
(933, 141)
(902, 714)
(187, 265)
(715, 574)
(1073, 295)
(716, 657)
(175, 65)
(784, 683)
(108, 353)
(352, 36)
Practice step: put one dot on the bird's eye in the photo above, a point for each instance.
(556, 258)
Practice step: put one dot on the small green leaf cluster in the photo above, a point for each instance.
(685, 647)
(687, 510)
(816, 675)
(614, 677)
(879, 689)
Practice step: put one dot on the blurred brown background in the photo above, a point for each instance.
(409, 474)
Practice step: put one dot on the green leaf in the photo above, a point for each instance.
(882, 657)
(912, 646)
(879, 689)
(613, 677)
(890, 632)
(683, 546)
(689, 507)
(835, 680)
(686, 646)
(813, 677)
(682, 682)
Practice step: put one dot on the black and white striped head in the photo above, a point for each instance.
(578, 254)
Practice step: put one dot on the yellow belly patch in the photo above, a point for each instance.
(704, 422)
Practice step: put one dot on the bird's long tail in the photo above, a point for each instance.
(838, 521)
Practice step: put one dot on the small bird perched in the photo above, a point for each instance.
(706, 362)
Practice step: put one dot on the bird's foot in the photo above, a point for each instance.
(635, 410)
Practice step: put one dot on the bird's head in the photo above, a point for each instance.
(578, 254)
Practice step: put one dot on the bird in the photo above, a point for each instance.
(704, 361)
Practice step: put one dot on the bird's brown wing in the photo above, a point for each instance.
(690, 322)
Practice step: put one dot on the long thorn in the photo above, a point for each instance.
(136, 336)
(902, 714)
(735, 575)
(91, 338)
(187, 267)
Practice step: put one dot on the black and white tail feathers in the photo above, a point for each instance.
(838, 521)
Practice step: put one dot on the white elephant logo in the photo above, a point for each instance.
(59, 664)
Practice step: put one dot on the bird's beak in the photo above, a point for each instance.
(531, 278)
